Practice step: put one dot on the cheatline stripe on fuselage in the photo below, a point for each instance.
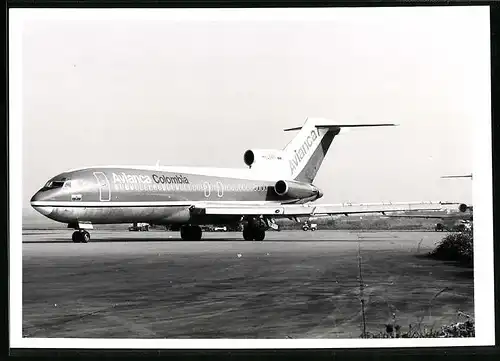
(149, 204)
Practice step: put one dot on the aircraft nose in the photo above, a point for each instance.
(39, 197)
(320, 193)
(35, 201)
(36, 197)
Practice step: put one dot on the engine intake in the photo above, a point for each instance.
(263, 156)
(281, 188)
(249, 157)
(463, 208)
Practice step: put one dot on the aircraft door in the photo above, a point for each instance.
(220, 189)
(104, 186)
(206, 189)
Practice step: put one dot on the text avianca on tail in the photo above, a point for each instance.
(278, 183)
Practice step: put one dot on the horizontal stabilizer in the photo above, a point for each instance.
(458, 176)
(333, 126)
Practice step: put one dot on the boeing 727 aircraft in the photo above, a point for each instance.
(278, 183)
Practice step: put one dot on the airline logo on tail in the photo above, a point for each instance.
(301, 153)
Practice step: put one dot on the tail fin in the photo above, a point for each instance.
(309, 147)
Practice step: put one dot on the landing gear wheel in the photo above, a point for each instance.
(196, 233)
(191, 233)
(247, 234)
(253, 234)
(259, 235)
(80, 237)
(85, 237)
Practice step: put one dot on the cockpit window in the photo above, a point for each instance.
(55, 184)
(67, 184)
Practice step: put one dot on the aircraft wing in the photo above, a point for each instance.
(422, 216)
(291, 210)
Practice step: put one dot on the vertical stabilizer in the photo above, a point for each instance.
(307, 150)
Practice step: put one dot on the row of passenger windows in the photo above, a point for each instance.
(187, 187)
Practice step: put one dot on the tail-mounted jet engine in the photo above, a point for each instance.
(262, 156)
(463, 208)
(296, 190)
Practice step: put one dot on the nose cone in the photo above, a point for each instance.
(40, 197)
(36, 197)
(37, 204)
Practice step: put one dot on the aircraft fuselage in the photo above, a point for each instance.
(104, 195)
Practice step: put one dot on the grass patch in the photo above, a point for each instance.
(459, 329)
(364, 223)
(455, 247)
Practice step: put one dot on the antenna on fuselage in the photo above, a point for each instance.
(158, 164)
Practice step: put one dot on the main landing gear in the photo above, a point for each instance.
(255, 229)
(80, 236)
(191, 233)
(253, 234)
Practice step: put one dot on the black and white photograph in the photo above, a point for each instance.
(250, 178)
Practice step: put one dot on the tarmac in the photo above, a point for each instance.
(294, 284)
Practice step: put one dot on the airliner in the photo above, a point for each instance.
(455, 221)
(275, 184)
(451, 221)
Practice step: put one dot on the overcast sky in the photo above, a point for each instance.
(99, 92)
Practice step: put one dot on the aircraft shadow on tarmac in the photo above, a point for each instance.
(147, 240)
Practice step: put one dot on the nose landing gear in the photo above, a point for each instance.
(80, 236)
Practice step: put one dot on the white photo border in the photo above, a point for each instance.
(482, 189)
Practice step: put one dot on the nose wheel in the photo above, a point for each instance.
(80, 236)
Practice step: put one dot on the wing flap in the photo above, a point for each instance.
(243, 210)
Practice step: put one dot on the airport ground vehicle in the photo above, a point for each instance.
(459, 226)
(141, 227)
(220, 229)
(307, 226)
